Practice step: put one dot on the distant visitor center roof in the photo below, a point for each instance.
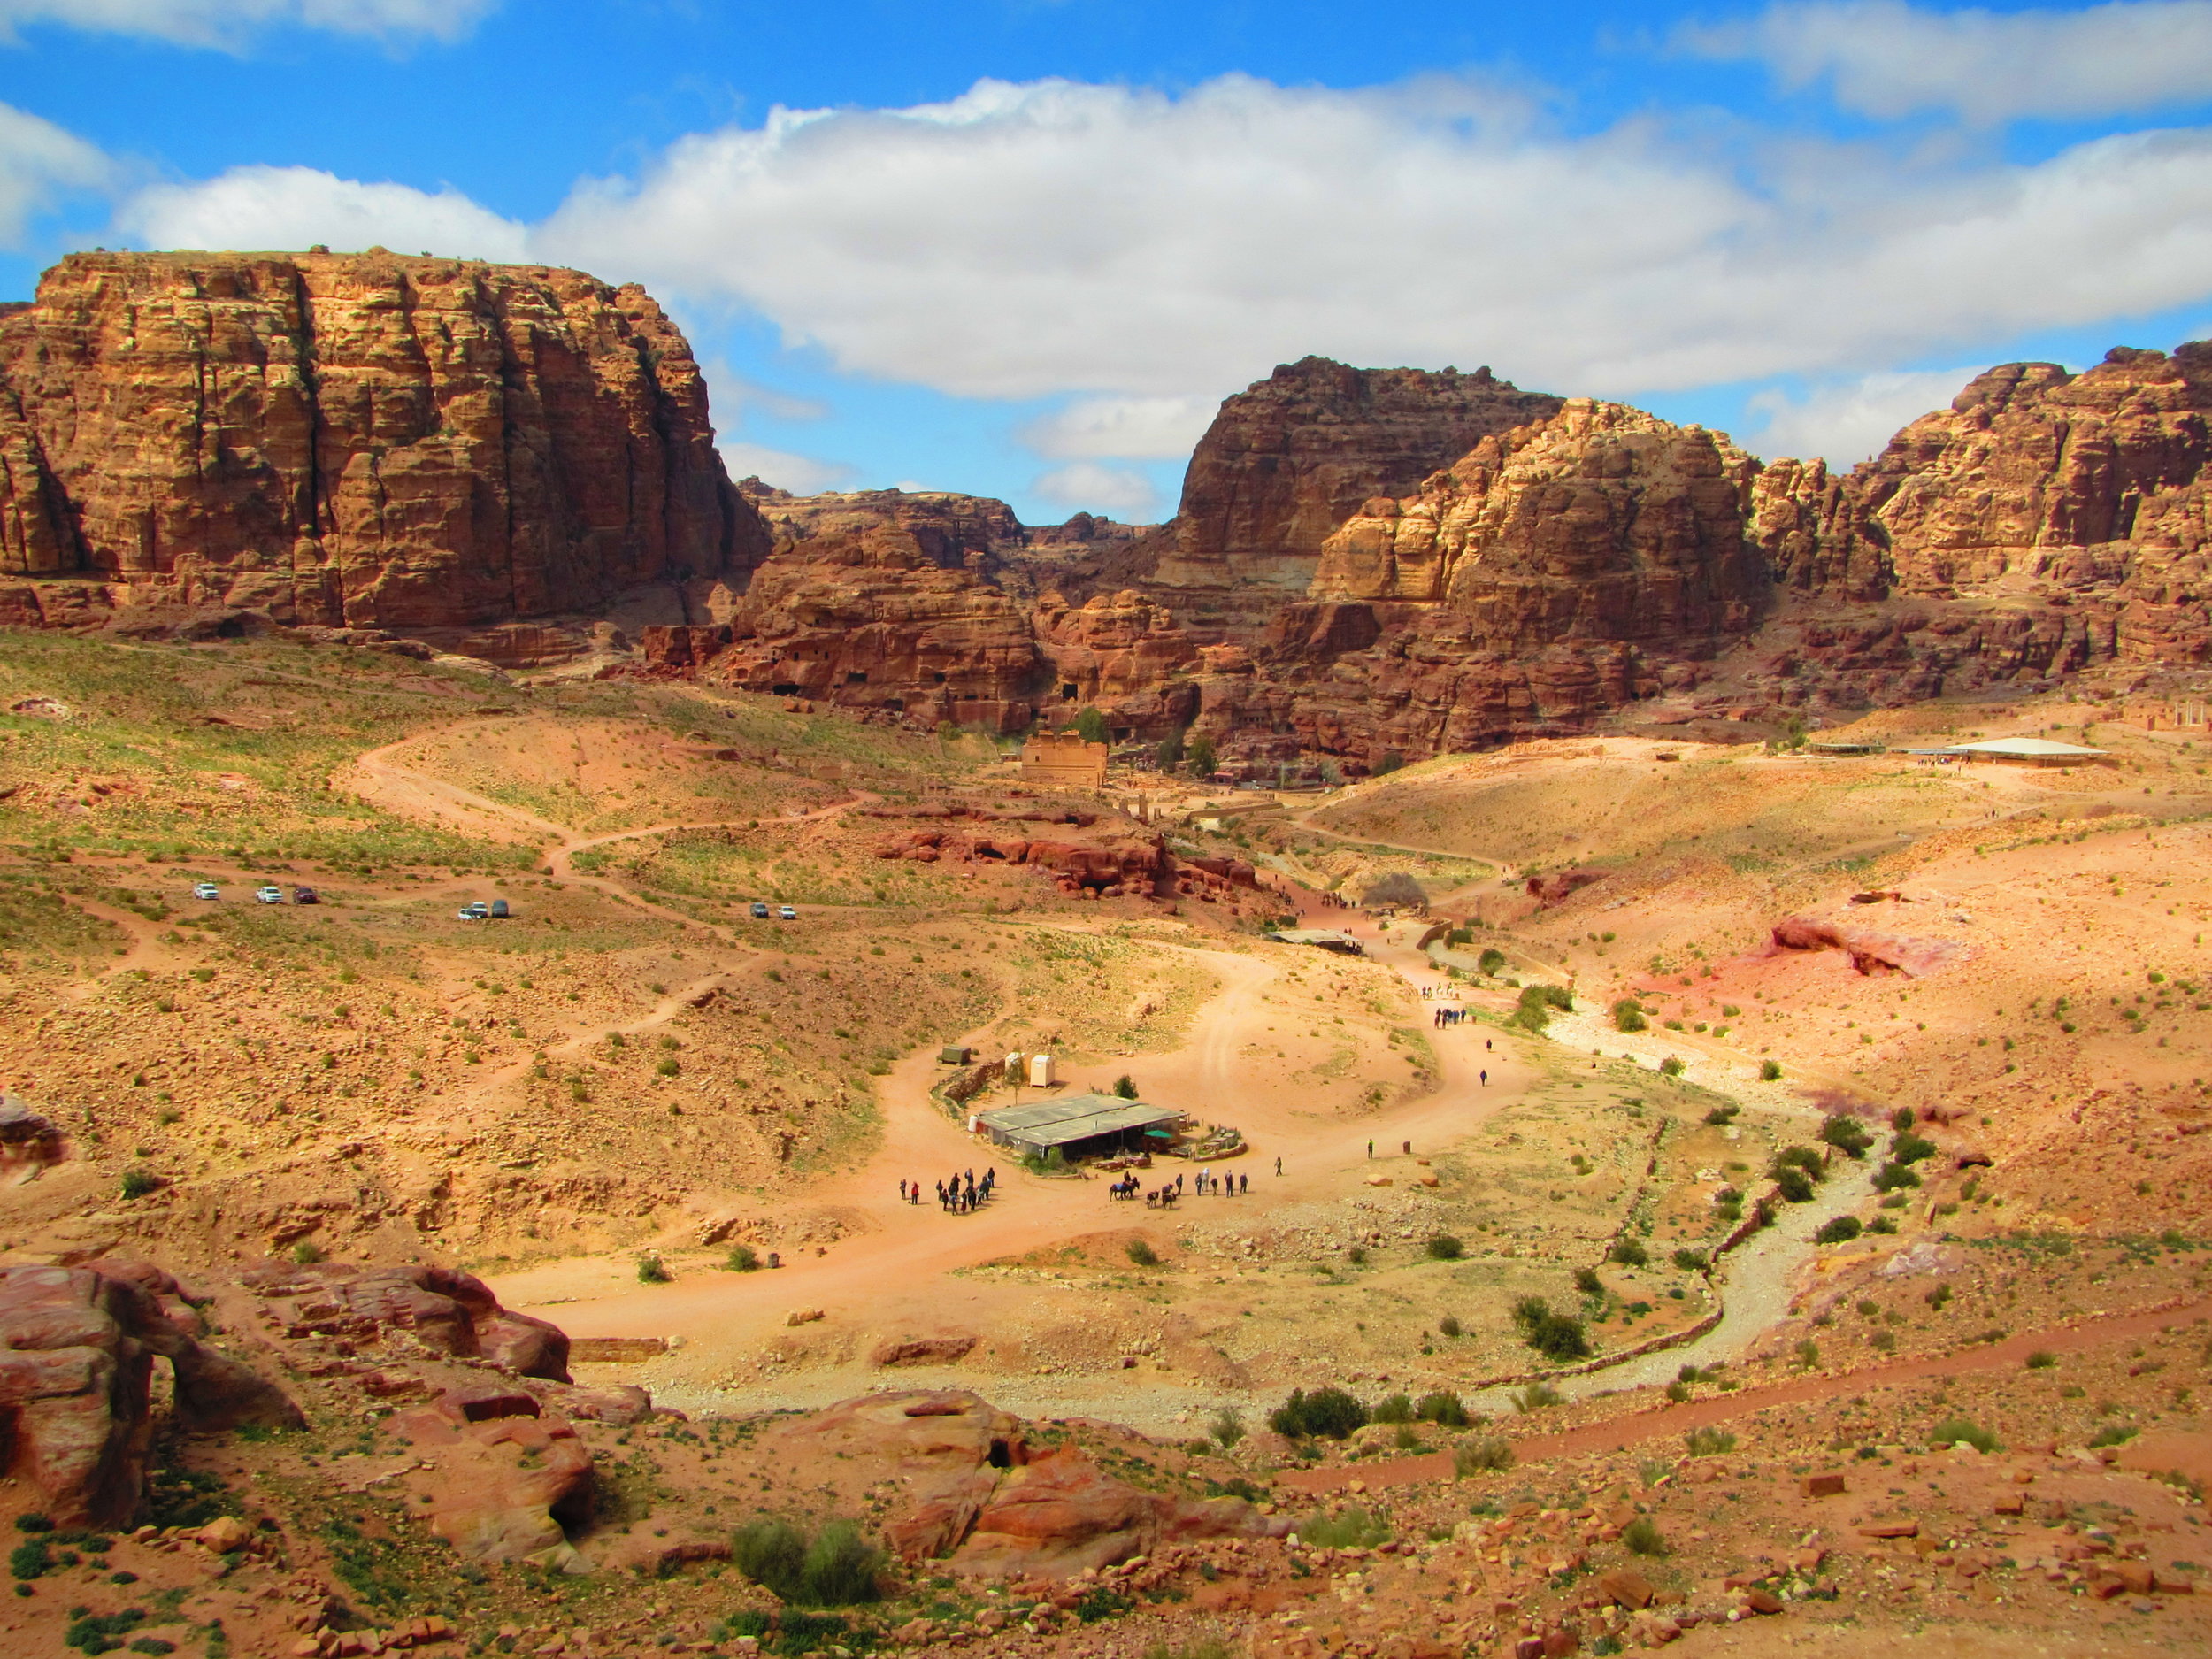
(2026, 748)
(1079, 1117)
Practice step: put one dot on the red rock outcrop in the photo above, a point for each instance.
(77, 1348)
(499, 1476)
(363, 439)
(972, 1490)
(438, 1312)
(1869, 951)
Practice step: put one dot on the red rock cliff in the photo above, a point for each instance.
(353, 440)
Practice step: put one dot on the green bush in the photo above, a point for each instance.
(1533, 1012)
(1673, 1065)
(1536, 1397)
(1443, 1247)
(652, 1271)
(1556, 1336)
(1910, 1149)
(1125, 1086)
(1901, 1119)
(1354, 1529)
(1487, 1455)
(1769, 1070)
(1588, 1283)
(1227, 1426)
(1891, 1176)
(1841, 1230)
(1393, 1409)
(1847, 1134)
(1448, 1325)
(1141, 1252)
(1795, 1187)
(742, 1259)
(1443, 1407)
(138, 1183)
(1954, 1429)
(838, 1567)
(1491, 960)
(1708, 1442)
(1642, 1537)
(2042, 1359)
(2111, 1434)
(1329, 1413)
(1690, 1261)
(1628, 1015)
(1628, 1252)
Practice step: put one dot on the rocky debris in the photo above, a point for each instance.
(77, 1348)
(29, 1141)
(499, 1476)
(1561, 885)
(430, 1311)
(405, 442)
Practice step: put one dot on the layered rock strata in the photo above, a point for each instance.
(361, 440)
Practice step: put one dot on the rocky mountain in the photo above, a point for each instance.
(1364, 560)
(357, 441)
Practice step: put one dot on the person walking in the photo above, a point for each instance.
(1278, 1167)
(1244, 1184)
(1486, 1078)
(1371, 1148)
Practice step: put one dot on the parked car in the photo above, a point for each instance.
(787, 914)
(206, 890)
(760, 910)
(479, 911)
(500, 911)
(268, 894)
(306, 896)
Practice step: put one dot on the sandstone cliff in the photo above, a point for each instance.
(1291, 458)
(359, 440)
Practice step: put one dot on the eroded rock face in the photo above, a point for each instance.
(351, 439)
(77, 1350)
(433, 1311)
(1291, 458)
(501, 1479)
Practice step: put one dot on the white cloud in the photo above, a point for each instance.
(1140, 428)
(1886, 60)
(1086, 487)
(736, 397)
(40, 162)
(261, 208)
(1849, 421)
(1055, 238)
(225, 23)
(800, 474)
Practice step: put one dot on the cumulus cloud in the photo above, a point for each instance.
(259, 207)
(1886, 60)
(1849, 421)
(800, 474)
(1117, 492)
(1051, 238)
(39, 163)
(227, 23)
(1139, 428)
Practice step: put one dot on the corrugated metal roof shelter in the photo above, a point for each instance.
(2041, 750)
(1327, 939)
(1074, 1123)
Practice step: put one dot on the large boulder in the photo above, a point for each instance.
(1060, 1513)
(500, 1479)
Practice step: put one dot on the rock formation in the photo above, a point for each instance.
(974, 1494)
(361, 440)
(76, 1349)
(1291, 458)
(431, 1311)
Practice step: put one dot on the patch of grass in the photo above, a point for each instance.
(1443, 1247)
(1352, 1529)
(1708, 1442)
(1487, 1455)
(1141, 1252)
(1952, 1430)
(1642, 1537)
(2042, 1359)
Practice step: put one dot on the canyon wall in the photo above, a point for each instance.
(363, 441)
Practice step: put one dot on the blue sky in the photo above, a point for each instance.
(1023, 247)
